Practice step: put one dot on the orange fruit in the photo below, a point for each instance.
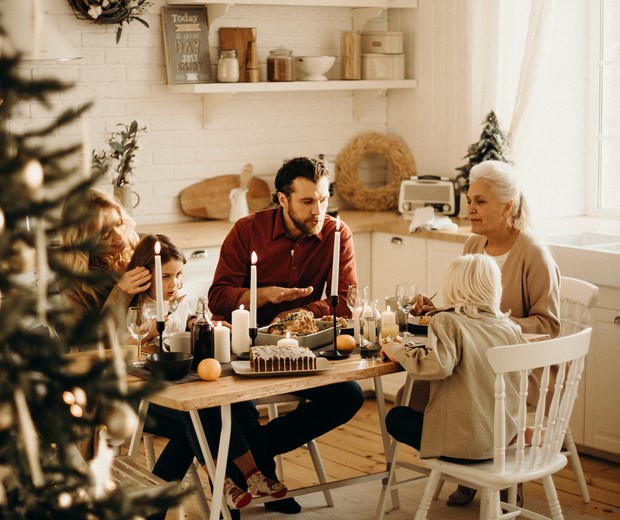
(345, 342)
(209, 369)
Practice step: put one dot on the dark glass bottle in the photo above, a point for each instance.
(202, 334)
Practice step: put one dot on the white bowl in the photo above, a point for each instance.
(315, 67)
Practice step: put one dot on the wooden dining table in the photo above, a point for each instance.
(196, 395)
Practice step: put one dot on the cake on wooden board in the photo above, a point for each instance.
(279, 358)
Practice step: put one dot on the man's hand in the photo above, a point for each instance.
(282, 294)
(135, 281)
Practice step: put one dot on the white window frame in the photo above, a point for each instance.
(594, 110)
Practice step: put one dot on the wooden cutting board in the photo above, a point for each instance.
(209, 199)
(240, 38)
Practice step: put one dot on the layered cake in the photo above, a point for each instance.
(280, 358)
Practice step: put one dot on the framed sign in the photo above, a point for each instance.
(186, 44)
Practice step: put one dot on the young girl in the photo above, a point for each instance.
(178, 316)
(458, 420)
(175, 425)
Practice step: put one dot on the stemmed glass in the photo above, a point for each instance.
(353, 300)
(139, 325)
(405, 296)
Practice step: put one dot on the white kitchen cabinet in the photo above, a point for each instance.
(362, 245)
(439, 255)
(602, 390)
(397, 258)
(400, 19)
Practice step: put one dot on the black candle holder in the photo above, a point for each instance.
(253, 334)
(160, 325)
(333, 353)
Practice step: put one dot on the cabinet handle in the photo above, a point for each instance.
(199, 253)
(617, 320)
(397, 241)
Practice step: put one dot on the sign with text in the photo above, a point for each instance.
(186, 44)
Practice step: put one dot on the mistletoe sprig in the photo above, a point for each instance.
(111, 12)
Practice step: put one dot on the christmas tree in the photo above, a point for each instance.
(48, 407)
(492, 146)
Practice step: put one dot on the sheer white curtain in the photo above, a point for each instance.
(506, 50)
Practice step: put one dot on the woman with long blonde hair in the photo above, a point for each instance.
(100, 239)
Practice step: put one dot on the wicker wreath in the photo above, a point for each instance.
(352, 189)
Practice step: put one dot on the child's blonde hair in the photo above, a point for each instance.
(472, 284)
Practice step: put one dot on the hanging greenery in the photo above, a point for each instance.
(111, 12)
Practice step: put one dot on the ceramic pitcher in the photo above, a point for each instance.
(238, 204)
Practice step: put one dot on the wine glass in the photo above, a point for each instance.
(139, 325)
(353, 300)
(405, 296)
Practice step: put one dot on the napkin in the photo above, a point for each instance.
(425, 218)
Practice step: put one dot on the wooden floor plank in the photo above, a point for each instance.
(356, 448)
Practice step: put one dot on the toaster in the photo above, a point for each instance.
(428, 190)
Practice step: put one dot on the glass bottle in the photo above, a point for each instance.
(280, 65)
(202, 334)
(228, 66)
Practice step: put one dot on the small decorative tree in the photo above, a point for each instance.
(492, 146)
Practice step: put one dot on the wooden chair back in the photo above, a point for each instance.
(549, 429)
(577, 297)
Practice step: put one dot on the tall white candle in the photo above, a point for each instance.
(240, 336)
(222, 343)
(254, 259)
(287, 341)
(357, 313)
(336, 259)
(159, 290)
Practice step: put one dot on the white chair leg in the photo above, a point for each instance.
(438, 489)
(196, 484)
(149, 451)
(320, 470)
(573, 456)
(386, 488)
(427, 497)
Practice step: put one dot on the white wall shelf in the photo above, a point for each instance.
(364, 91)
(216, 94)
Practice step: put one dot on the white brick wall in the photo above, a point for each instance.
(128, 81)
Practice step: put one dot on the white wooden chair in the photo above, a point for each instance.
(516, 463)
(577, 298)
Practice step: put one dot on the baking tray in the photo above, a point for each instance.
(325, 336)
(242, 368)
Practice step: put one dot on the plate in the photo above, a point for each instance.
(242, 368)
(415, 325)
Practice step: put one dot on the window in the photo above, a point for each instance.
(606, 95)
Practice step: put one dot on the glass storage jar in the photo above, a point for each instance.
(280, 65)
(228, 66)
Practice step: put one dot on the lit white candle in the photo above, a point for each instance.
(388, 317)
(222, 343)
(336, 259)
(287, 341)
(254, 259)
(240, 325)
(159, 290)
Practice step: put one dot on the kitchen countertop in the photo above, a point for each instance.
(206, 233)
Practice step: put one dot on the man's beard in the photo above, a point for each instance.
(307, 228)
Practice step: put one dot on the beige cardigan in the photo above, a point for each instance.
(530, 283)
(458, 420)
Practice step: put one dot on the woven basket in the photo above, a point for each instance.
(350, 186)
(115, 13)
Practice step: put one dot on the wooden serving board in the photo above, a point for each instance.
(209, 199)
(239, 38)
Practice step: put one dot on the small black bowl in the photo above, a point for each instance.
(169, 365)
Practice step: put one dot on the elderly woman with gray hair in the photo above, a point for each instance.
(499, 219)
